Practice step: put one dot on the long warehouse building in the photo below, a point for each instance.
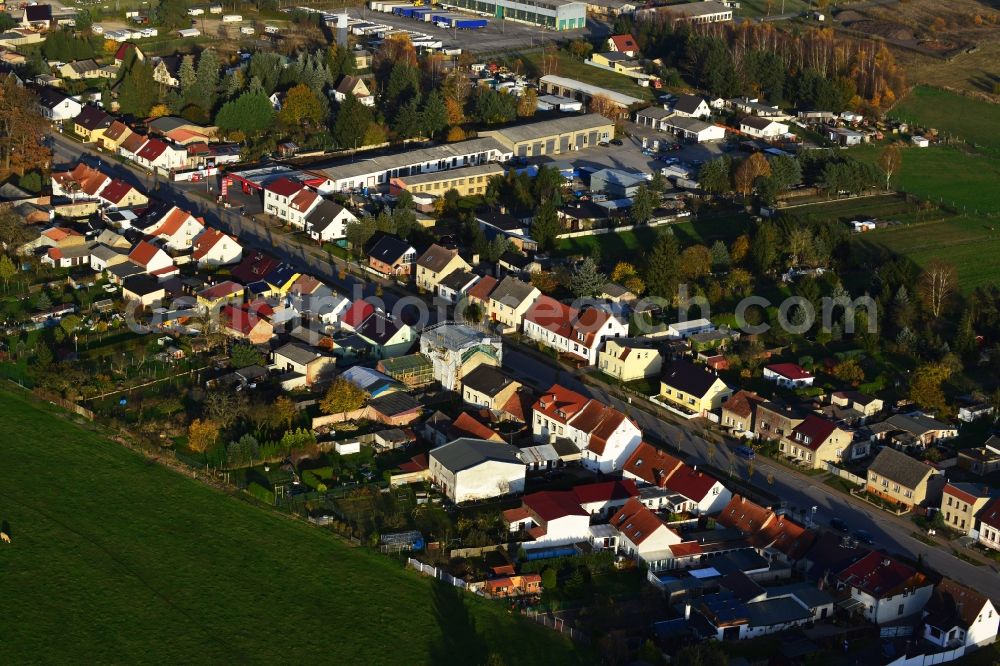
(551, 137)
(378, 171)
(553, 14)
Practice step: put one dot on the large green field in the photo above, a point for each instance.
(971, 244)
(973, 120)
(633, 245)
(117, 559)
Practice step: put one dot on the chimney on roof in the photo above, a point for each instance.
(687, 611)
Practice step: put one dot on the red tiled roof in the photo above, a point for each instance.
(636, 521)
(221, 290)
(881, 576)
(468, 426)
(417, 463)
(116, 191)
(744, 515)
(785, 536)
(143, 253)
(357, 313)
(565, 321)
(519, 406)
(239, 319)
(206, 241)
(304, 199)
(55, 253)
(814, 430)
(624, 43)
(652, 465)
(172, 222)
(254, 266)
(560, 404)
(116, 130)
(552, 504)
(482, 289)
(605, 491)
(152, 149)
(284, 187)
(90, 180)
(133, 143)
(963, 495)
(686, 549)
(742, 403)
(789, 370)
(691, 483)
(515, 515)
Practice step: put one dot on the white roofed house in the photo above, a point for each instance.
(327, 221)
(604, 435)
(469, 469)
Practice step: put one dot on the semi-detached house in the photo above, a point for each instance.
(509, 301)
(604, 435)
(435, 264)
(817, 440)
(578, 333)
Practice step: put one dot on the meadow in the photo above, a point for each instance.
(572, 68)
(633, 245)
(973, 120)
(118, 559)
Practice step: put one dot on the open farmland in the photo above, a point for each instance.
(117, 559)
(634, 245)
(975, 121)
(972, 245)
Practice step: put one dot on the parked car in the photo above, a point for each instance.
(745, 452)
(617, 142)
(864, 537)
(839, 525)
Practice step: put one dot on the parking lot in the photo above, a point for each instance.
(630, 157)
(497, 36)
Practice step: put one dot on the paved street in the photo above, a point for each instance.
(799, 491)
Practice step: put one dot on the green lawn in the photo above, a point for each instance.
(970, 119)
(572, 68)
(632, 245)
(971, 244)
(756, 8)
(117, 559)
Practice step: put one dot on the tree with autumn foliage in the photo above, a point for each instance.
(203, 434)
(748, 171)
(301, 107)
(21, 130)
(527, 103)
(606, 107)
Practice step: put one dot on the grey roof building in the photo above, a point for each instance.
(466, 452)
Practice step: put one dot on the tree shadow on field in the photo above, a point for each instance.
(5, 528)
(459, 642)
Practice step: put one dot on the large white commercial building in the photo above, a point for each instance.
(554, 14)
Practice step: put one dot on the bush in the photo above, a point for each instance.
(261, 493)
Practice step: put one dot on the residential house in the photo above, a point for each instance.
(623, 44)
(702, 494)
(644, 535)
(884, 589)
(57, 106)
(91, 123)
(247, 323)
(981, 460)
(355, 86)
(961, 504)
(989, 524)
(176, 227)
(605, 436)
(435, 264)
(166, 70)
(254, 266)
(900, 479)
(765, 530)
(158, 155)
(131, 145)
(509, 301)
(577, 333)
(602, 499)
(788, 375)
(289, 200)
(306, 366)
(629, 359)
(215, 248)
(479, 293)
(774, 420)
(392, 256)
(488, 387)
(80, 69)
(466, 425)
(149, 257)
(81, 181)
(817, 440)
(650, 466)
(864, 404)
(327, 221)
(913, 430)
(549, 518)
(123, 52)
(473, 469)
(959, 616)
(691, 388)
(387, 335)
(77, 255)
(120, 194)
(763, 128)
(103, 257)
(215, 296)
(691, 106)
(616, 183)
(456, 284)
(143, 289)
(738, 412)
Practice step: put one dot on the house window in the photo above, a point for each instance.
(899, 611)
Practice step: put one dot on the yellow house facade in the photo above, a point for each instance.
(692, 389)
(628, 362)
(436, 264)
